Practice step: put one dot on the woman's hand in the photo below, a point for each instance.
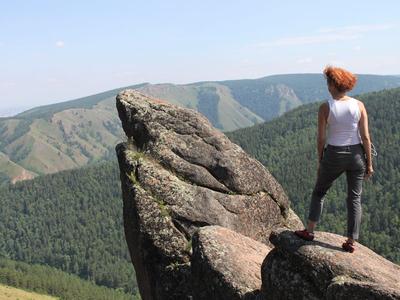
(369, 172)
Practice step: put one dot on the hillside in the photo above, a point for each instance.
(287, 145)
(272, 96)
(57, 137)
(70, 134)
(20, 280)
(8, 292)
(72, 221)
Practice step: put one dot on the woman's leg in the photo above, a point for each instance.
(355, 177)
(355, 180)
(328, 172)
(311, 226)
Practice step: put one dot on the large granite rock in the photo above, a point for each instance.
(178, 174)
(226, 265)
(320, 269)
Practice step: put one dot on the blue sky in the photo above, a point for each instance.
(52, 51)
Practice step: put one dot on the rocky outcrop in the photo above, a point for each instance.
(201, 218)
(296, 269)
(226, 264)
(179, 174)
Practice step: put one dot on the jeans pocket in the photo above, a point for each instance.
(360, 161)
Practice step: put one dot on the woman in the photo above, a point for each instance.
(343, 125)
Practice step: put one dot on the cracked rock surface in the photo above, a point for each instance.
(296, 269)
(179, 174)
(226, 265)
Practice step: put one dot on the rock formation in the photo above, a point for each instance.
(178, 174)
(226, 264)
(198, 213)
(296, 269)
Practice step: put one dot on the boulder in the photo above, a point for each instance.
(296, 269)
(179, 174)
(226, 265)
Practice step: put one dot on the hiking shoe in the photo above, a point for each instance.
(304, 234)
(348, 247)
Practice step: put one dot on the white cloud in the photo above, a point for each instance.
(8, 84)
(357, 48)
(305, 60)
(311, 39)
(337, 63)
(356, 29)
(125, 74)
(327, 35)
(52, 80)
(60, 44)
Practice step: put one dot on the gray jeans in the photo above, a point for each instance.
(335, 161)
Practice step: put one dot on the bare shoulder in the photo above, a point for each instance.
(360, 105)
(324, 108)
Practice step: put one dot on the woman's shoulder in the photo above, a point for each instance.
(324, 108)
(356, 100)
(360, 104)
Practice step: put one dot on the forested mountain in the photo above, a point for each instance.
(50, 281)
(60, 136)
(72, 221)
(272, 96)
(71, 134)
(287, 146)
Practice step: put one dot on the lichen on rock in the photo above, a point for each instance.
(201, 217)
(296, 269)
(182, 175)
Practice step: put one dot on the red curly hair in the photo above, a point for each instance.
(341, 79)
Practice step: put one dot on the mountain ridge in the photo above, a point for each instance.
(70, 134)
(383, 239)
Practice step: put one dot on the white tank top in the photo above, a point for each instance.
(343, 119)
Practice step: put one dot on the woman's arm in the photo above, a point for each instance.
(323, 113)
(366, 140)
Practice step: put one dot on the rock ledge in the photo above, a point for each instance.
(296, 269)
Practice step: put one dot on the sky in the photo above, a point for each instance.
(52, 51)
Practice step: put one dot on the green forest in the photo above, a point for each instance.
(50, 281)
(287, 146)
(71, 220)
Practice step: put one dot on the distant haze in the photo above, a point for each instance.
(52, 51)
(11, 111)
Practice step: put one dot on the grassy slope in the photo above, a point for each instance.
(69, 139)
(230, 114)
(11, 293)
(45, 280)
(10, 169)
(67, 135)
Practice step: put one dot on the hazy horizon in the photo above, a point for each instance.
(9, 111)
(57, 51)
